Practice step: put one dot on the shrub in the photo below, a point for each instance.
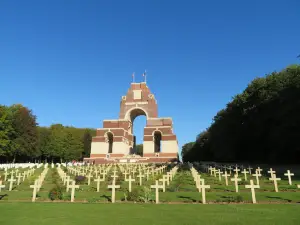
(239, 198)
(56, 193)
(134, 194)
(80, 179)
(93, 200)
(146, 195)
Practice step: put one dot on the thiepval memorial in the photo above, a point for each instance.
(115, 142)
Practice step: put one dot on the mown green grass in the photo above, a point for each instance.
(164, 214)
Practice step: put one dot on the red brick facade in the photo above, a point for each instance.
(138, 101)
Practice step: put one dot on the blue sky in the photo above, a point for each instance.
(71, 61)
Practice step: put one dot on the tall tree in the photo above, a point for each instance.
(261, 124)
(139, 149)
(44, 142)
(6, 134)
(25, 136)
(87, 140)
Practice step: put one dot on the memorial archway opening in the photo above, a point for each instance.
(138, 119)
(138, 123)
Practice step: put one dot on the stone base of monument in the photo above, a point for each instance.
(129, 159)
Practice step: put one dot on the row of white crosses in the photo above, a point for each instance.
(38, 183)
(66, 180)
(236, 179)
(169, 177)
(257, 174)
(19, 165)
(11, 180)
(126, 172)
(200, 184)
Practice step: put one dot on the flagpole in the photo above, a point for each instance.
(133, 77)
(145, 75)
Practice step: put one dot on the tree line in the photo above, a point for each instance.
(259, 125)
(22, 140)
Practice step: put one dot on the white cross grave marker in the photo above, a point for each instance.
(11, 181)
(245, 173)
(129, 180)
(98, 180)
(203, 187)
(19, 178)
(141, 178)
(226, 177)
(35, 187)
(289, 174)
(89, 178)
(257, 175)
(252, 187)
(236, 180)
(274, 179)
(73, 187)
(271, 172)
(156, 187)
(1, 185)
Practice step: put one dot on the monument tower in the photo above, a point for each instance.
(115, 141)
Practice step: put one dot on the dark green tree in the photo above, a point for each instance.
(87, 140)
(259, 125)
(25, 135)
(139, 149)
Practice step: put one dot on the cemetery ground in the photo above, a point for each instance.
(180, 203)
(136, 214)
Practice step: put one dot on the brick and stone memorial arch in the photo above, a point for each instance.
(115, 142)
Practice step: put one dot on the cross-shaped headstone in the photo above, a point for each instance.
(256, 175)
(245, 173)
(259, 170)
(164, 179)
(225, 175)
(1, 185)
(252, 187)
(210, 170)
(230, 169)
(35, 187)
(73, 187)
(113, 191)
(156, 187)
(213, 171)
(89, 178)
(19, 178)
(125, 174)
(250, 169)
(147, 174)
(236, 170)
(198, 182)
(274, 179)
(140, 176)
(203, 187)
(68, 179)
(98, 180)
(219, 173)
(114, 177)
(170, 176)
(129, 180)
(11, 181)
(289, 174)
(236, 180)
(23, 176)
(5, 175)
(271, 172)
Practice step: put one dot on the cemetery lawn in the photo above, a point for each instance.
(163, 214)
